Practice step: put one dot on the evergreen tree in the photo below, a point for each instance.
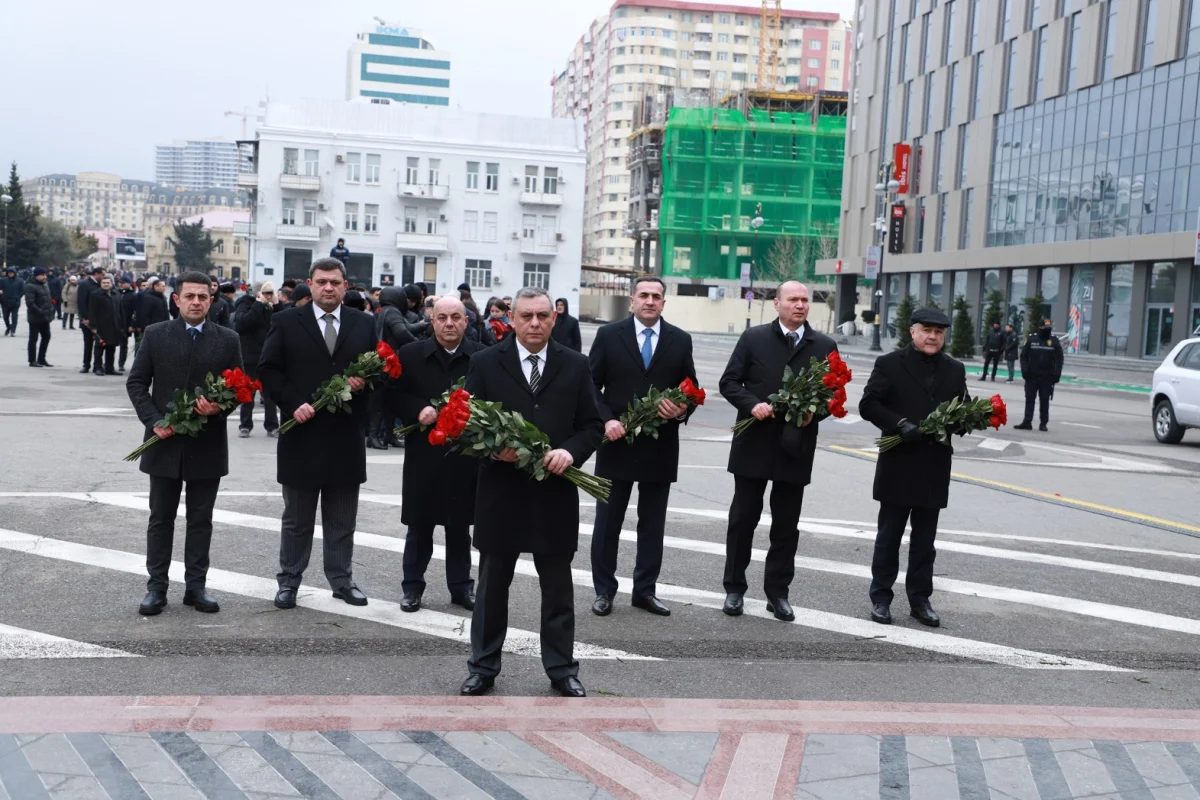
(995, 309)
(193, 247)
(904, 312)
(1035, 312)
(962, 338)
(22, 225)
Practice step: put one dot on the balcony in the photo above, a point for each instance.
(704, 27)
(247, 180)
(423, 242)
(702, 63)
(243, 230)
(532, 247)
(298, 233)
(426, 191)
(541, 199)
(305, 183)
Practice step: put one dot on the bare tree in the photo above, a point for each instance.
(784, 261)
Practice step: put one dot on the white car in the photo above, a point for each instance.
(1175, 397)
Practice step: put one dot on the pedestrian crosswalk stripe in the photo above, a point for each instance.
(21, 643)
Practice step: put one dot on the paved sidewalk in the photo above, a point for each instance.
(549, 748)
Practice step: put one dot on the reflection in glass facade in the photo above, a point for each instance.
(1050, 279)
(1079, 317)
(1018, 291)
(1118, 159)
(936, 293)
(960, 285)
(1160, 310)
(1118, 308)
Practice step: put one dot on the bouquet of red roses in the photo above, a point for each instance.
(336, 394)
(820, 391)
(478, 428)
(956, 416)
(642, 414)
(233, 388)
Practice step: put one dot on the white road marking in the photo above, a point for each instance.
(726, 439)
(81, 412)
(21, 643)
(432, 623)
(993, 444)
(849, 419)
(812, 618)
(1081, 425)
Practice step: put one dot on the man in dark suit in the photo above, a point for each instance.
(178, 355)
(323, 459)
(627, 359)
(88, 287)
(439, 485)
(566, 327)
(551, 387)
(912, 480)
(769, 450)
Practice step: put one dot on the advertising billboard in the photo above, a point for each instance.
(903, 160)
(126, 248)
(896, 230)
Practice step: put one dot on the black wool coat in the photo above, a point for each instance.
(620, 377)
(329, 449)
(439, 484)
(754, 372)
(252, 321)
(566, 332)
(169, 360)
(105, 317)
(916, 474)
(513, 512)
(151, 308)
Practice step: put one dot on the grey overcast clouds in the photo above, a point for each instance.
(94, 85)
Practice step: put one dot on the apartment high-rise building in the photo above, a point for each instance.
(398, 64)
(196, 164)
(1042, 147)
(644, 48)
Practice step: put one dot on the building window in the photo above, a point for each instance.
(929, 90)
(237, 247)
(964, 144)
(291, 162)
(412, 172)
(531, 179)
(479, 273)
(1193, 26)
(1039, 65)
(964, 237)
(493, 177)
(907, 118)
(491, 226)
(353, 167)
(1110, 39)
(221, 247)
(835, 63)
(470, 226)
(976, 100)
(973, 39)
(814, 63)
(537, 275)
(938, 149)
(351, 217)
(374, 167)
(1010, 61)
(926, 44)
(312, 162)
(941, 227)
(435, 171)
(410, 219)
(835, 45)
(814, 44)
(288, 217)
(1072, 59)
(431, 221)
(529, 226)
(920, 225)
(1149, 23)
(902, 62)
(370, 218)
(951, 95)
(310, 212)
(1005, 19)
(550, 184)
(472, 175)
(948, 33)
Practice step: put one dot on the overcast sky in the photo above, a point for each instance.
(95, 85)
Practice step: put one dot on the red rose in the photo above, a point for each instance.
(227, 374)
(692, 392)
(831, 380)
(255, 386)
(384, 351)
(437, 438)
(392, 367)
(995, 422)
(836, 409)
(460, 396)
(244, 396)
(839, 396)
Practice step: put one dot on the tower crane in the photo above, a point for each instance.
(769, 44)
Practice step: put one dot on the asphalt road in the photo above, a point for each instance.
(1068, 571)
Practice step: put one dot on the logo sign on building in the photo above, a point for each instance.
(837, 267)
(129, 249)
(874, 256)
(896, 230)
(391, 30)
(902, 157)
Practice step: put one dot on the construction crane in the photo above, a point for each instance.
(244, 114)
(769, 44)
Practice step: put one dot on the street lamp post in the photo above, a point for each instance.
(755, 224)
(5, 199)
(885, 190)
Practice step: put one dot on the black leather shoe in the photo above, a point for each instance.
(1024, 426)
(923, 613)
(393, 440)
(569, 687)
(85, 370)
(475, 685)
(202, 600)
(652, 604)
(153, 603)
(881, 613)
(602, 606)
(1043, 427)
(375, 443)
(464, 599)
(285, 598)
(733, 604)
(351, 594)
(411, 603)
(35, 364)
(45, 363)
(781, 608)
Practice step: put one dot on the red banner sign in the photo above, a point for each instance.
(902, 156)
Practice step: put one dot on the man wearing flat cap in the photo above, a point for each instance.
(912, 480)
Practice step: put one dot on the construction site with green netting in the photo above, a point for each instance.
(735, 183)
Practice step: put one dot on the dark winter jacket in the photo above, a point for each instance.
(105, 317)
(1042, 358)
(995, 341)
(1012, 346)
(566, 328)
(37, 301)
(218, 312)
(252, 320)
(129, 305)
(395, 324)
(342, 254)
(151, 308)
(14, 290)
(55, 285)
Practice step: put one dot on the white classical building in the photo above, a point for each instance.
(420, 194)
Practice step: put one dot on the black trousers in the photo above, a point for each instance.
(339, 515)
(68, 318)
(246, 412)
(489, 621)
(744, 514)
(885, 564)
(418, 549)
(606, 537)
(1038, 390)
(992, 358)
(105, 354)
(10, 319)
(160, 534)
(38, 330)
(122, 351)
(89, 343)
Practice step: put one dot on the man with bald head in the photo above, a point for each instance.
(770, 450)
(439, 485)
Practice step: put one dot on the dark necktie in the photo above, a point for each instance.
(535, 377)
(793, 338)
(193, 332)
(330, 333)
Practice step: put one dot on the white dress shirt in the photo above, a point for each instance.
(799, 331)
(641, 329)
(320, 313)
(526, 367)
(198, 328)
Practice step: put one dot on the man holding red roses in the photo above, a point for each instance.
(179, 354)
(439, 484)
(912, 480)
(627, 359)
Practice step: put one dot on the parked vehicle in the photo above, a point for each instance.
(1175, 397)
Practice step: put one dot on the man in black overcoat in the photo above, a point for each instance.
(323, 459)
(550, 386)
(769, 450)
(179, 355)
(627, 359)
(912, 480)
(439, 484)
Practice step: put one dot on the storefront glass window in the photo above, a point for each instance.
(1162, 283)
(1079, 318)
(936, 286)
(1117, 309)
(893, 300)
(1050, 279)
(960, 285)
(1160, 310)
(1018, 291)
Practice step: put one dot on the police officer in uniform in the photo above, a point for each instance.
(912, 480)
(1041, 367)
